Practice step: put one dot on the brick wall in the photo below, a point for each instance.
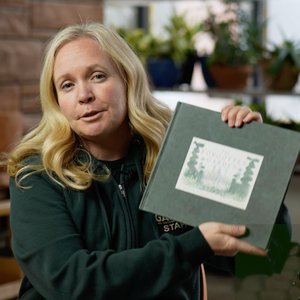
(25, 27)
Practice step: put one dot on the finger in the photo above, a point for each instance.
(247, 248)
(236, 115)
(253, 116)
(224, 112)
(241, 115)
(231, 114)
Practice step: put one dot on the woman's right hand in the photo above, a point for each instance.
(223, 239)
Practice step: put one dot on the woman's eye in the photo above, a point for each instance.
(67, 85)
(98, 76)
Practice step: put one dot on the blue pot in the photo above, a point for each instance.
(163, 72)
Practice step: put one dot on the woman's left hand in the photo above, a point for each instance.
(236, 115)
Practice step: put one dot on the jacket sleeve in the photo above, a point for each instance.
(50, 252)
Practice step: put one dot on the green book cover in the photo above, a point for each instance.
(207, 171)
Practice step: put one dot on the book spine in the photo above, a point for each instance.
(169, 129)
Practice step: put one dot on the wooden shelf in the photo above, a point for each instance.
(253, 92)
(214, 92)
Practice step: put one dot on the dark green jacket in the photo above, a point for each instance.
(96, 244)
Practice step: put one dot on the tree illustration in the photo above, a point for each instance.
(192, 171)
(235, 186)
(200, 173)
(247, 176)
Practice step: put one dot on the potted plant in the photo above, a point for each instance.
(182, 36)
(281, 65)
(163, 63)
(165, 57)
(237, 46)
(160, 57)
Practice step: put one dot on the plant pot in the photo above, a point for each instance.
(230, 77)
(284, 81)
(207, 76)
(163, 72)
(187, 68)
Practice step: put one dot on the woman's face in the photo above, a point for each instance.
(90, 91)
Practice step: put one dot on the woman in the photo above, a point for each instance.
(77, 179)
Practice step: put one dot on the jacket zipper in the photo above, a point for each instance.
(127, 212)
(122, 191)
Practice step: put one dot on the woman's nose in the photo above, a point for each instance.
(85, 94)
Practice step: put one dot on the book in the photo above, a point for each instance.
(207, 171)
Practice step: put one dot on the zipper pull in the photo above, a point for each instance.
(122, 190)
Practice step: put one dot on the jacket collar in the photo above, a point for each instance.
(135, 156)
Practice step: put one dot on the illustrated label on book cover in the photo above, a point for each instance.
(207, 171)
(219, 173)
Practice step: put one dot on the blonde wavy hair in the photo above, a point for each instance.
(53, 139)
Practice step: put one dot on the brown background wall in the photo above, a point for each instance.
(25, 27)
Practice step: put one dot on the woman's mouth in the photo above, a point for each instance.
(91, 116)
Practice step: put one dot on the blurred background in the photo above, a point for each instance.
(214, 52)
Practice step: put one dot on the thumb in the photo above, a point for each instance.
(233, 230)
